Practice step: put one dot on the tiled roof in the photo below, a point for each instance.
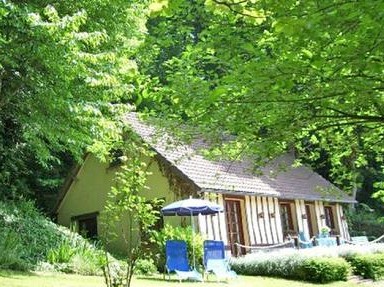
(235, 176)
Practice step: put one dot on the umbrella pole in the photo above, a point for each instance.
(193, 242)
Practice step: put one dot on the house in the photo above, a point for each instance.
(259, 210)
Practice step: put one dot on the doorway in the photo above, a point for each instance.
(309, 210)
(234, 225)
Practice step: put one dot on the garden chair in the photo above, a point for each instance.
(176, 260)
(304, 242)
(359, 240)
(215, 262)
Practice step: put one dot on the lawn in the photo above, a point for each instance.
(18, 279)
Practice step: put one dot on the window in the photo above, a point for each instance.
(115, 155)
(329, 220)
(87, 225)
(286, 218)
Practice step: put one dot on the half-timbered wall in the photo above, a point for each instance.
(319, 207)
(341, 226)
(213, 226)
(342, 222)
(262, 222)
(263, 218)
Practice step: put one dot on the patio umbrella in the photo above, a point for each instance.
(191, 207)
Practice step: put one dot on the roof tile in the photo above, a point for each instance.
(236, 176)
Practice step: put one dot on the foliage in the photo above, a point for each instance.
(285, 266)
(324, 270)
(325, 230)
(364, 221)
(170, 232)
(303, 75)
(368, 265)
(36, 234)
(28, 240)
(65, 78)
(62, 254)
(72, 256)
(293, 266)
(86, 263)
(127, 203)
(11, 250)
(145, 267)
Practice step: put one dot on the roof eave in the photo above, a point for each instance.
(278, 195)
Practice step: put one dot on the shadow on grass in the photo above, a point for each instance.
(14, 274)
(160, 278)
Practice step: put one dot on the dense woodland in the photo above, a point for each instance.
(273, 76)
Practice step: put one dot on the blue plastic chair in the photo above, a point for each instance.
(177, 261)
(213, 249)
(214, 260)
(304, 242)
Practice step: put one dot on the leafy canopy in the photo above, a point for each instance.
(303, 75)
(65, 77)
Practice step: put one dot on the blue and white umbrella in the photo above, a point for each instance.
(191, 207)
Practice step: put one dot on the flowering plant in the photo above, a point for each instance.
(325, 230)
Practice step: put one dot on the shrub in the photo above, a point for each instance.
(364, 221)
(266, 264)
(293, 265)
(370, 266)
(72, 256)
(145, 267)
(62, 254)
(86, 264)
(324, 270)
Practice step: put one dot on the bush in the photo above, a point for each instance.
(176, 233)
(145, 267)
(364, 221)
(324, 270)
(62, 254)
(293, 265)
(88, 263)
(264, 264)
(72, 256)
(370, 266)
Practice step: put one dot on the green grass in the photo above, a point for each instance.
(18, 279)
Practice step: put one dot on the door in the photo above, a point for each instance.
(329, 218)
(286, 219)
(234, 226)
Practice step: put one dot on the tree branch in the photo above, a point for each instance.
(343, 115)
(338, 124)
(245, 101)
(231, 8)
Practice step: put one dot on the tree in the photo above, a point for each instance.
(128, 213)
(65, 77)
(302, 75)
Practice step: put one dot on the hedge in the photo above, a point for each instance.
(294, 266)
(370, 266)
(324, 270)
